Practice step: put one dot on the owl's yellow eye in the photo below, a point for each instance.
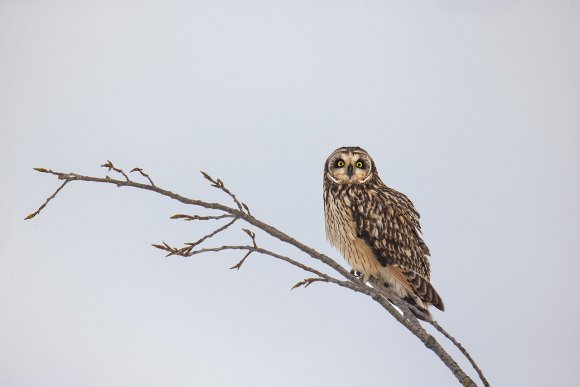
(340, 163)
(359, 164)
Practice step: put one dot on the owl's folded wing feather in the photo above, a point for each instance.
(390, 226)
(387, 220)
(417, 285)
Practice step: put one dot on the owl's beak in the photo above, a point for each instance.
(349, 171)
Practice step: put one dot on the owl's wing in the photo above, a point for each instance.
(388, 222)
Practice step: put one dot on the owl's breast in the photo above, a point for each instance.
(341, 233)
(340, 226)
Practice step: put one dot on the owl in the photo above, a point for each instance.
(376, 229)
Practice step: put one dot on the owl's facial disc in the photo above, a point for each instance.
(349, 167)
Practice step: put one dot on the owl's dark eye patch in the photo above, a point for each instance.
(360, 164)
(339, 163)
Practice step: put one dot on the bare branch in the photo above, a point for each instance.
(166, 247)
(238, 265)
(197, 217)
(463, 351)
(251, 235)
(49, 198)
(264, 252)
(384, 296)
(185, 251)
(220, 185)
(140, 170)
(307, 282)
(393, 298)
(214, 206)
(213, 233)
(110, 166)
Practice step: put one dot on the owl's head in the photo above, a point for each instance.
(349, 165)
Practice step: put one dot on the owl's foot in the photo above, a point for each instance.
(360, 276)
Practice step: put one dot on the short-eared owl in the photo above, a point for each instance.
(376, 228)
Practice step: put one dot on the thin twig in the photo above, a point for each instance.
(186, 250)
(238, 265)
(463, 351)
(220, 185)
(213, 233)
(47, 200)
(252, 236)
(264, 252)
(165, 247)
(308, 281)
(197, 217)
(140, 170)
(110, 166)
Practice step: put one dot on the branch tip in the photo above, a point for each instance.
(252, 235)
(140, 170)
(238, 265)
(207, 177)
(197, 217)
(307, 282)
(463, 351)
(220, 185)
(47, 200)
(109, 165)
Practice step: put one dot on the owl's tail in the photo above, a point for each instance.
(417, 291)
(419, 308)
(423, 289)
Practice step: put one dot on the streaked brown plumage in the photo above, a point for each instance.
(376, 228)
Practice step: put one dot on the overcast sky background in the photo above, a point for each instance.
(471, 108)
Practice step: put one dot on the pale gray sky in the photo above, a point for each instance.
(472, 108)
